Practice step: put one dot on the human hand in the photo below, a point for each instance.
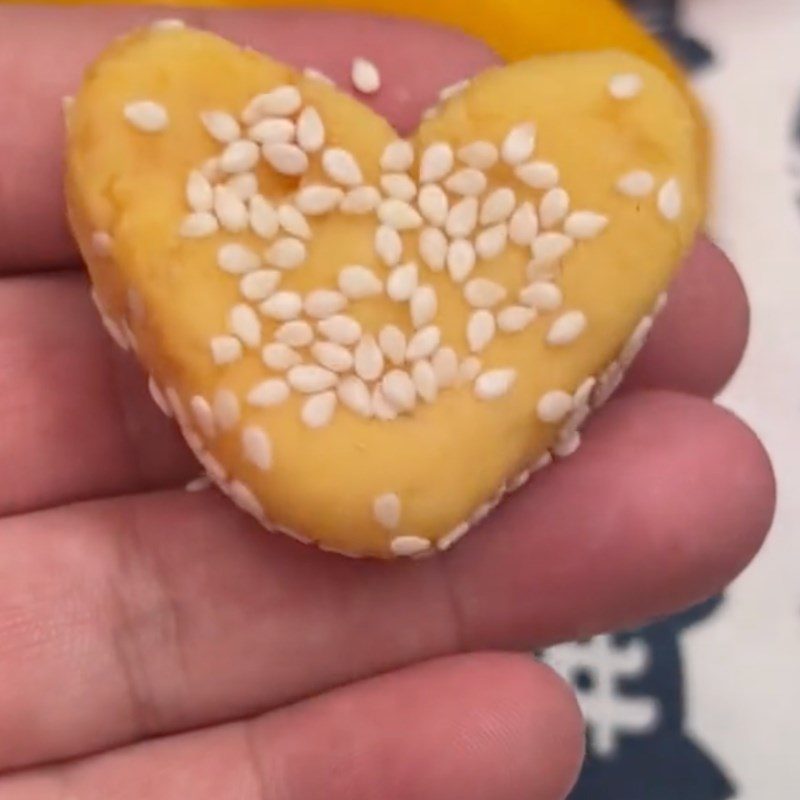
(158, 645)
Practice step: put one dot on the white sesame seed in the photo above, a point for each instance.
(317, 75)
(340, 166)
(660, 304)
(670, 200)
(357, 282)
(239, 156)
(468, 182)
(225, 349)
(259, 285)
(167, 25)
(272, 131)
(280, 102)
(174, 400)
(286, 159)
(437, 162)
(381, 407)
(399, 215)
(332, 356)
(492, 242)
(636, 342)
(583, 394)
(433, 204)
(237, 259)
(269, 393)
(283, 306)
(538, 174)
(609, 382)
(365, 76)
(245, 499)
(398, 156)
(354, 394)
(433, 248)
(226, 409)
(102, 243)
(469, 369)
(566, 328)
(210, 169)
(519, 145)
(424, 305)
(286, 253)
(445, 367)
(199, 193)
(393, 343)
(310, 130)
(495, 384)
(625, 86)
(114, 330)
(553, 207)
(454, 89)
(498, 206)
(369, 358)
(158, 397)
(462, 218)
(221, 126)
(204, 416)
(483, 293)
(279, 357)
(424, 343)
(245, 325)
(550, 247)
(585, 224)
(257, 447)
(297, 333)
(425, 382)
(399, 186)
(293, 221)
(244, 185)
(480, 155)
(524, 225)
(461, 259)
(147, 116)
(519, 480)
(230, 209)
(318, 199)
(402, 283)
(200, 484)
(318, 411)
(388, 246)
(554, 406)
(481, 329)
(213, 468)
(454, 537)
(263, 217)
(409, 546)
(399, 390)
(340, 329)
(515, 319)
(567, 447)
(324, 303)
(310, 379)
(361, 200)
(198, 225)
(637, 183)
(542, 296)
(386, 509)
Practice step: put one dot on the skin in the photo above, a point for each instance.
(155, 643)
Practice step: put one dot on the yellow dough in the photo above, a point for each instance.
(262, 327)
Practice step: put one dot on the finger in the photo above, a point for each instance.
(186, 614)
(464, 728)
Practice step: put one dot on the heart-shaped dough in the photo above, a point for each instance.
(368, 341)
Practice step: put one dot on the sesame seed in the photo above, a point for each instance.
(542, 296)
(670, 200)
(468, 182)
(239, 156)
(102, 243)
(317, 199)
(340, 329)
(386, 509)
(524, 225)
(158, 397)
(221, 126)
(498, 206)
(495, 384)
(368, 359)
(362, 200)
(243, 185)
(272, 131)
(310, 130)
(567, 447)
(213, 468)
(398, 156)
(210, 169)
(399, 215)
(538, 174)
(225, 349)
(461, 259)
(263, 217)
(357, 282)
(424, 343)
(354, 394)
(399, 390)
(279, 357)
(147, 116)
(286, 253)
(381, 408)
(297, 333)
(409, 546)
(204, 416)
(281, 102)
(424, 305)
(519, 480)
(340, 166)
(425, 382)
(515, 319)
(399, 186)
(365, 76)
(585, 224)
(519, 145)
(445, 367)
(463, 218)
(553, 207)
(437, 162)
(167, 25)
(480, 155)
(567, 328)
(609, 382)
(286, 159)
(625, 86)
(454, 89)
(483, 293)
(323, 303)
(481, 329)
(200, 484)
(554, 406)
(637, 183)
(269, 393)
(454, 537)
(433, 248)
(318, 411)
(237, 259)
(226, 409)
(636, 341)
(293, 221)
(317, 75)
(230, 209)
(174, 400)
(283, 306)
(259, 285)
(492, 242)
(310, 379)
(257, 447)
(199, 193)
(550, 247)
(583, 393)
(198, 225)
(433, 204)
(388, 246)
(469, 369)
(393, 343)
(245, 499)
(402, 283)
(660, 304)
(245, 325)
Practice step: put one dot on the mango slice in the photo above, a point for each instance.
(368, 341)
